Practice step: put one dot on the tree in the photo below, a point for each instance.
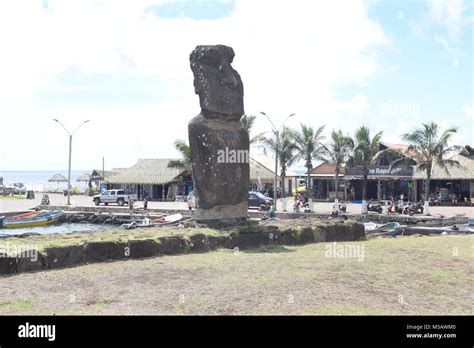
(337, 151)
(426, 147)
(283, 145)
(248, 122)
(185, 162)
(365, 153)
(308, 145)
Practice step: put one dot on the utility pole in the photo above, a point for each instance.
(276, 131)
(70, 155)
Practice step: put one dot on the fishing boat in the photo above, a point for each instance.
(26, 215)
(388, 226)
(167, 220)
(163, 221)
(41, 219)
(370, 226)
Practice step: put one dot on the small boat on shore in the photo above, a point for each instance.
(27, 215)
(34, 220)
(163, 221)
(388, 226)
(370, 226)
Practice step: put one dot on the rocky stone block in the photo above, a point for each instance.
(59, 257)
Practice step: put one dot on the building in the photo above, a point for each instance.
(385, 182)
(261, 177)
(457, 183)
(149, 178)
(153, 179)
(322, 181)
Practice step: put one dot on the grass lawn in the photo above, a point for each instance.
(13, 197)
(408, 275)
(44, 241)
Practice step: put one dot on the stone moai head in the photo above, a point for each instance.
(220, 89)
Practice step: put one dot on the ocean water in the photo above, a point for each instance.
(38, 180)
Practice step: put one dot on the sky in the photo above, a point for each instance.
(124, 66)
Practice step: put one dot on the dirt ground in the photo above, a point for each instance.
(407, 275)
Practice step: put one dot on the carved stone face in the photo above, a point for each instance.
(218, 85)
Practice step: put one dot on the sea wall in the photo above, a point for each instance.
(378, 218)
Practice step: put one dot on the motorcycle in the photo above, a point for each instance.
(342, 208)
(265, 206)
(414, 208)
(376, 207)
(395, 207)
(297, 206)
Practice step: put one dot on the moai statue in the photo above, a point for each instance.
(219, 142)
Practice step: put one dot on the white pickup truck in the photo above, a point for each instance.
(114, 196)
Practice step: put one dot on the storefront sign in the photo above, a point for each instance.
(381, 171)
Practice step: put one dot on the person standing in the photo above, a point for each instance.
(145, 204)
(353, 193)
(190, 202)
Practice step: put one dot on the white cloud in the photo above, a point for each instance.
(469, 111)
(449, 14)
(453, 17)
(291, 55)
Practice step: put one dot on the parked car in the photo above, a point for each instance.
(7, 190)
(119, 197)
(19, 188)
(258, 200)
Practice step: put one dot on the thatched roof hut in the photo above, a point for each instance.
(257, 169)
(465, 171)
(58, 178)
(146, 171)
(84, 177)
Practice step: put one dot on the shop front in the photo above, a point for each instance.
(383, 182)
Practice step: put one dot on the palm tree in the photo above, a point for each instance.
(185, 162)
(308, 144)
(365, 153)
(337, 151)
(286, 148)
(426, 147)
(248, 122)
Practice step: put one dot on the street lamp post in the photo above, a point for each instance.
(277, 144)
(70, 153)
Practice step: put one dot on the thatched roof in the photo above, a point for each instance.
(58, 178)
(463, 172)
(99, 174)
(269, 163)
(256, 168)
(146, 171)
(84, 177)
(156, 172)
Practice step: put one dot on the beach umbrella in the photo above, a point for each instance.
(86, 177)
(57, 178)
